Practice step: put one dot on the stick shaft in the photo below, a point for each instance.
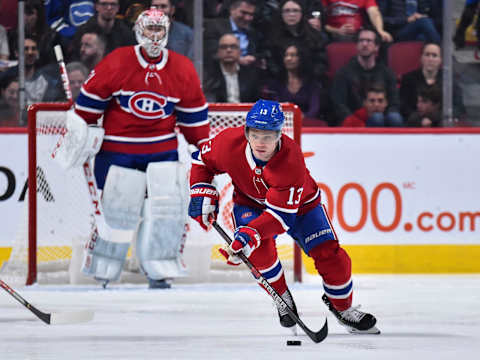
(41, 315)
(63, 73)
(50, 318)
(315, 336)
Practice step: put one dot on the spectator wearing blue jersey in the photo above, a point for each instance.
(65, 16)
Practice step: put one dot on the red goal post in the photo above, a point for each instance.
(47, 211)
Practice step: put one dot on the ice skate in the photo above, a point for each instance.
(285, 319)
(356, 321)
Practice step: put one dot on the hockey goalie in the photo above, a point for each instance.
(125, 117)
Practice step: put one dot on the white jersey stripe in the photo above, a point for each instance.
(278, 218)
(93, 96)
(205, 122)
(192, 110)
(140, 139)
(88, 109)
(289, 211)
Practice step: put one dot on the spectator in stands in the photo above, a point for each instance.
(408, 20)
(226, 79)
(351, 82)
(92, 49)
(180, 36)
(345, 18)
(296, 84)
(9, 111)
(428, 75)
(77, 74)
(468, 14)
(40, 85)
(116, 32)
(289, 26)
(239, 23)
(374, 105)
(36, 27)
(429, 108)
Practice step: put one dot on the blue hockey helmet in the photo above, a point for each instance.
(265, 115)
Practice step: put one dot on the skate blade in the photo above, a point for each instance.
(372, 331)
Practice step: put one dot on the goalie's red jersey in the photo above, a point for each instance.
(283, 187)
(142, 101)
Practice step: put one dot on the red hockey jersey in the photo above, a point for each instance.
(142, 102)
(347, 11)
(283, 187)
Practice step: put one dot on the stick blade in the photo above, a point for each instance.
(73, 317)
(321, 334)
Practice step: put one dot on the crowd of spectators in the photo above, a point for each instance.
(270, 49)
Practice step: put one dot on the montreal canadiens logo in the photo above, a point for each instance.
(147, 105)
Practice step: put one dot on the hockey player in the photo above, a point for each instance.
(140, 94)
(274, 193)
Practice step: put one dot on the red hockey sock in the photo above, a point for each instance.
(334, 266)
(265, 259)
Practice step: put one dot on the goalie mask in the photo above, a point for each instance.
(151, 31)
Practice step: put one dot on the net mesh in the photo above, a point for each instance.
(64, 213)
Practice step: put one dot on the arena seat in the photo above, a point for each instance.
(403, 57)
(339, 53)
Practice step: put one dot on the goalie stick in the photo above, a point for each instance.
(53, 318)
(315, 336)
(99, 226)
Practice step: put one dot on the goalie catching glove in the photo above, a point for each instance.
(79, 143)
(247, 239)
(203, 205)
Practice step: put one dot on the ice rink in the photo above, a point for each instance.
(421, 317)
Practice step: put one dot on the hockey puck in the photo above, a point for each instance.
(294, 342)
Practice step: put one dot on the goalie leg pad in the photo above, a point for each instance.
(104, 259)
(123, 196)
(161, 234)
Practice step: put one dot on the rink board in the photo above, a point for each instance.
(400, 201)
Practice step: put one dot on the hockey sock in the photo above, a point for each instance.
(266, 260)
(334, 266)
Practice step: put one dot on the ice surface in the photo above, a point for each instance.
(421, 317)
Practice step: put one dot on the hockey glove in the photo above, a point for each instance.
(203, 205)
(246, 239)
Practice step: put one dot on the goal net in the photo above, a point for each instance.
(58, 215)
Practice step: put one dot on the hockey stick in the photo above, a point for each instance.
(53, 318)
(99, 225)
(315, 336)
(63, 73)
